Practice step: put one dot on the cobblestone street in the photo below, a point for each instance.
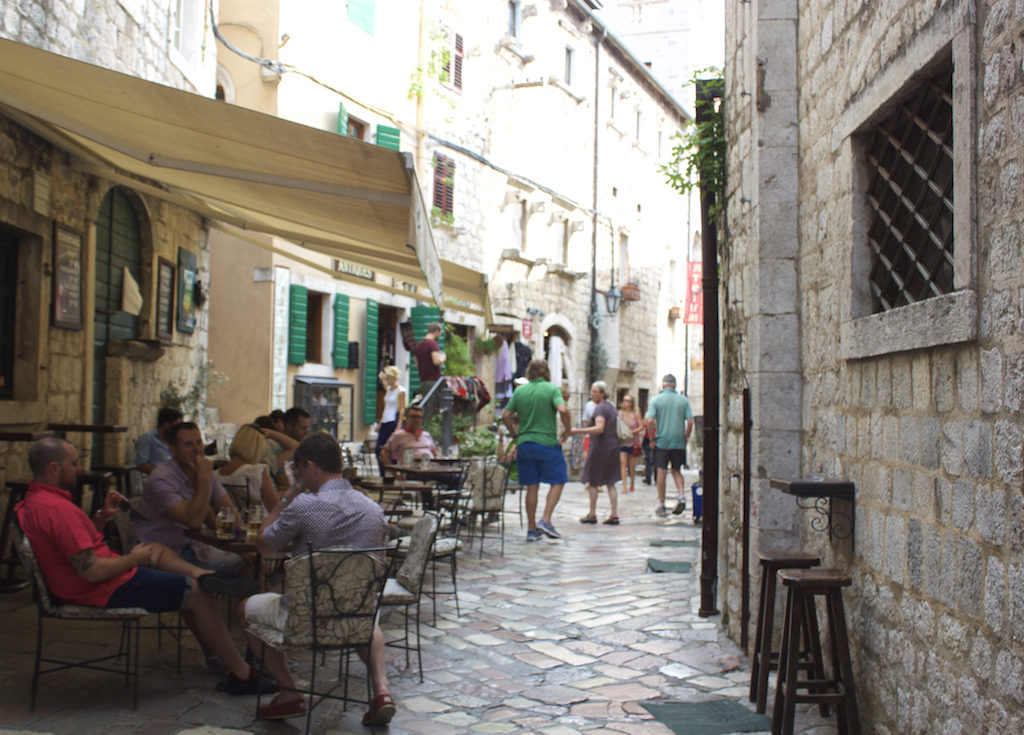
(555, 637)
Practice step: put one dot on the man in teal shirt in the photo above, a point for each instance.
(670, 421)
(531, 416)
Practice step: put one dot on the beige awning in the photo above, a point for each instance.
(338, 196)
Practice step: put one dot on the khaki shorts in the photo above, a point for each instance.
(267, 608)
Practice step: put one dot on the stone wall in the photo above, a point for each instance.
(931, 435)
(54, 365)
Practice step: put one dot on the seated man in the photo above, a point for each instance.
(413, 438)
(183, 494)
(151, 448)
(331, 513)
(79, 568)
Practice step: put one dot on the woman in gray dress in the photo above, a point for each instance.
(602, 464)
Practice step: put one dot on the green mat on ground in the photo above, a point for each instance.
(708, 718)
(658, 565)
(674, 542)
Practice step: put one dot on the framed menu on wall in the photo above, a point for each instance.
(165, 300)
(186, 291)
(67, 277)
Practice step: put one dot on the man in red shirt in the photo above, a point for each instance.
(429, 360)
(79, 568)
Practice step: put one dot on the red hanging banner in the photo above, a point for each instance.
(527, 329)
(694, 313)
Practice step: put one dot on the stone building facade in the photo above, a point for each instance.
(518, 111)
(905, 380)
(53, 366)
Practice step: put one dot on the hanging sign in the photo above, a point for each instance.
(694, 313)
(527, 330)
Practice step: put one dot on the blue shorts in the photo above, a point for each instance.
(152, 590)
(537, 463)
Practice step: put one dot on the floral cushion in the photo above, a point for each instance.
(342, 591)
(410, 574)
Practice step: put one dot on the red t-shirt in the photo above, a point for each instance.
(424, 362)
(58, 529)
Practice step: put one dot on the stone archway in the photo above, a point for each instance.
(558, 337)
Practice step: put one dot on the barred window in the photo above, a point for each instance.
(910, 197)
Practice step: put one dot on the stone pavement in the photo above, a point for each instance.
(555, 637)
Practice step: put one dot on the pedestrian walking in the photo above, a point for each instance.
(629, 452)
(602, 464)
(532, 416)
(670, 421)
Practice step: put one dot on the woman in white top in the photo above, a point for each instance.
(244, 467)
(394, 406)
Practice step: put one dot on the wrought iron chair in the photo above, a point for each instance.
(406, 588)
(334, 598)
(49, 609)
(486, 500)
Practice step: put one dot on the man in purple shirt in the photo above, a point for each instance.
(321, 509)
(183, 494)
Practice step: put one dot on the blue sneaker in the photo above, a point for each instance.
(533, 535)
(548, 529)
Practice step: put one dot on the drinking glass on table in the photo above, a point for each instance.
(226, 524)
(254, 519)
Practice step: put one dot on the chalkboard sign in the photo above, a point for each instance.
(67, 277)
(165, 300)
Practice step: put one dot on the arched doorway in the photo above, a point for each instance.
(557, 352)
(118, 246)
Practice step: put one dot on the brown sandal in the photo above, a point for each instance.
(611, 521)
(588, 519)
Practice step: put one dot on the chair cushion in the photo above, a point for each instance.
(396, 594)
(446, 545)
(78, 612)
(271, 636)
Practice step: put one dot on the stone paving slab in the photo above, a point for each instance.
(556, 638)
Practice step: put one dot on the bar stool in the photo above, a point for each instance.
(765, 658)
(804, 585)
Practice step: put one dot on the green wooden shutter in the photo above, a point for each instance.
(388, 137)
(421, 316)
(340, 351)
(342, 119)
(370, 363)
(298, 311)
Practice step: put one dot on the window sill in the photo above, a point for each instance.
(511, 45)
(556, 82)
(943, 320)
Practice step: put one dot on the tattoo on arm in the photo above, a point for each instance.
(83, 560)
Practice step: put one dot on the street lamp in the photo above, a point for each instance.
(612, 298)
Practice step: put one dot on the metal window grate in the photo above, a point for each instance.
(910, 162)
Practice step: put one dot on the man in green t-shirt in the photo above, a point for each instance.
(670, 422)
(531, 416)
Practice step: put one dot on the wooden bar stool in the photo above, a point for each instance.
(804, 585)
(765, 657)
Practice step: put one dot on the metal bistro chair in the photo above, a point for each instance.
(486, 499)
(335, 594)
(50, 609)
(406, 588)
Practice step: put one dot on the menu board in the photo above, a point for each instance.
(165, 300)
(67, 278)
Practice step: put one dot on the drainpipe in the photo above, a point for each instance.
(707, 90)
(594, 318)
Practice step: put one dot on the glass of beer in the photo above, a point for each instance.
(254, 520)
(226, 524)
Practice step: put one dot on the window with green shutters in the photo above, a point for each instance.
(388, 137)
(370, 339)
(298, 312)
(339, 352)
(342, 119)
(421, 317)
